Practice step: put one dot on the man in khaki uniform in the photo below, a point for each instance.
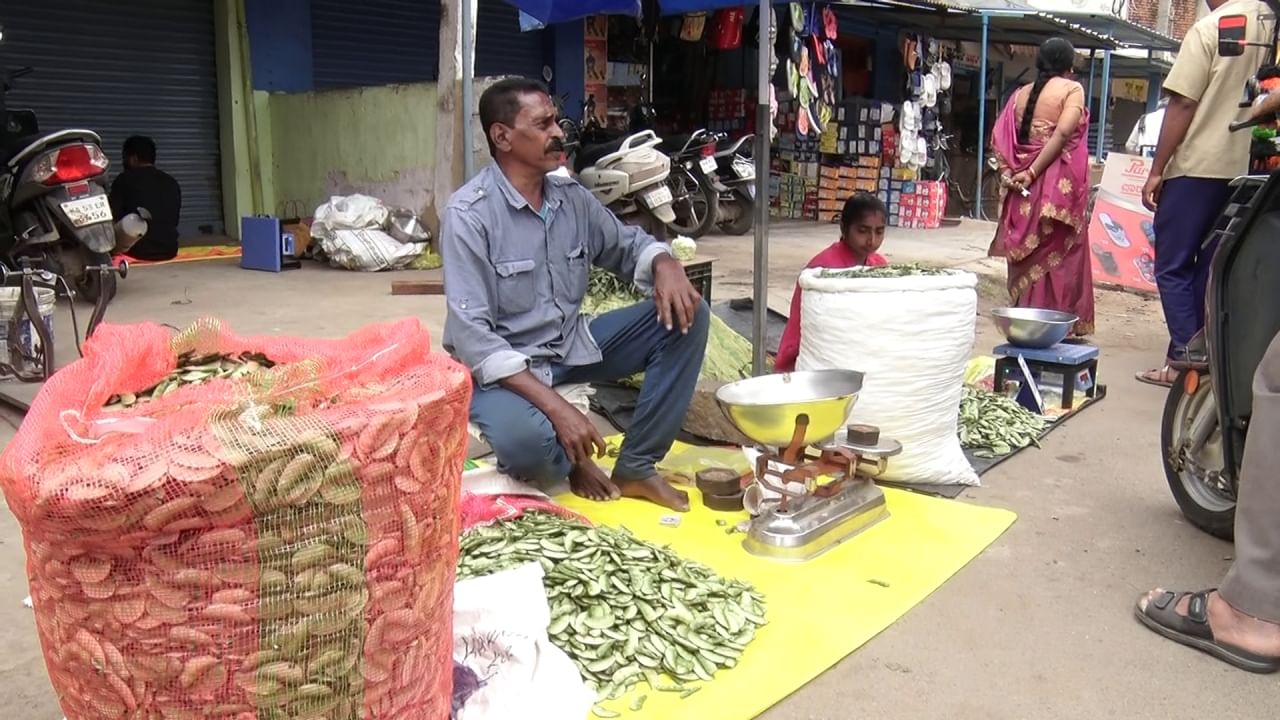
(1196, 159)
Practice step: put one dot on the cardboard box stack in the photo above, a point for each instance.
(857, 129)
(839, 182)
(918, 204)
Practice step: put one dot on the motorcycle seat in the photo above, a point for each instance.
(673, 143)
(592, 154)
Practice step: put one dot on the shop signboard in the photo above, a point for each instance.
(1121, 231)
(1131, 89)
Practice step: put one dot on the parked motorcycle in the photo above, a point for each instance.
(54, 211)
(695, 189)
(1206, 417)
(736, 173)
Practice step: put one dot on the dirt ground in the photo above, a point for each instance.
(1039, 626)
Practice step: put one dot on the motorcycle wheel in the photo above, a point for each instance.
(744, 208)
(1205, 505)
(696, 204)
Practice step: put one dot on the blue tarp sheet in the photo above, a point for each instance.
(547, 12)
(539, 13)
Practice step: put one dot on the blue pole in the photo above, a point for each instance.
(1102, 114)
(1153, 84)
(1088, 100)
(982, 118)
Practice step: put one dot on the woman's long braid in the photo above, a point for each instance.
(1055, 59)
(1024, 130)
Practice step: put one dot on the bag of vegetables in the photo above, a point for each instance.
(233, 527)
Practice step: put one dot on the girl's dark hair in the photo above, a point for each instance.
(857, 207)
(1057, 56)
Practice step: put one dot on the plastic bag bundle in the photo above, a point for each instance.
(912, 336)
(279, 542)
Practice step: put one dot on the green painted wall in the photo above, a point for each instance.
(379, 141)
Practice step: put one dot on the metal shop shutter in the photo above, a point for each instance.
(501, 49)
(375, 42)
(141, 67)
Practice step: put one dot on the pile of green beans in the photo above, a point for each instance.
(995, 425)
(626, 611)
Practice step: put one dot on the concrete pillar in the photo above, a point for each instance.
(242, 188)
(452, 119)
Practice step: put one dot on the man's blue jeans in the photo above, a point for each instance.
(1188, 209)
(631, 340)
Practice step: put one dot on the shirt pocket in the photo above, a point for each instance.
(579, 273)
(516, 286)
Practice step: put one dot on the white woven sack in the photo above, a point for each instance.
(912, 337)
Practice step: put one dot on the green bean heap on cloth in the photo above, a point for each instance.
(996, 425)
(623, 609)
(896, 270)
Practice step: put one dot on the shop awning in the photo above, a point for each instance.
(1138, 66)
(1126, 33)
(1008, 23)
(558, 11)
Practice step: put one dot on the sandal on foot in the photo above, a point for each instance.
(1192, 630)
(1160, 377)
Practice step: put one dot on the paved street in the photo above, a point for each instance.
(1039, 626)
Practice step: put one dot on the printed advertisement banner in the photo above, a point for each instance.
(1121, 231)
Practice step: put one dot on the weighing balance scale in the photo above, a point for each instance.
(798, 422)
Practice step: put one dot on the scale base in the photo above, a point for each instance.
(817, 525)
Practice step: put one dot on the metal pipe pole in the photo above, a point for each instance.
(1102, 114)
(1153, 83)
(982, 117)
(760, 277)
(468, 89)
(1088, 100)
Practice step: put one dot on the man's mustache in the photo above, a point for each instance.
(555, 146)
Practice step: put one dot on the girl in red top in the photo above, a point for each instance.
(862, 225)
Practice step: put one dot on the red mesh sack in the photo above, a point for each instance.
(280, 543)
(481, 510)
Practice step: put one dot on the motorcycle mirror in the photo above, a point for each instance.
(1231, 35)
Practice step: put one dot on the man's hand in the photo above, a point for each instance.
(675, 296)
(576, 434)
(1151, 191)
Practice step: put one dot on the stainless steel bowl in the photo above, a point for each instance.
(405, 226)
(1033, 327)
(765, 408)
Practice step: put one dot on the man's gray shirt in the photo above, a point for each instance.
(514, 279)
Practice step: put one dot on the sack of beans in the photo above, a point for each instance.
(244, 527)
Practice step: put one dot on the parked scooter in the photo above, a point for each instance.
(736, 173)
(1206, 417)
(628, 175)
(54, 210)
(695, 190)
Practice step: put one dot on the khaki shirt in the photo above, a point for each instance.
(1210, 149)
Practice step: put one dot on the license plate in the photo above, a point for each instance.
(744, 170)
(657, 196)
(708, 164)
(87, 211)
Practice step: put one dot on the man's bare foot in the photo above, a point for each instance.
(590, 482)
(1230, 626)
(654, 489)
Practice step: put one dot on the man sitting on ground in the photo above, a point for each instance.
(144, 186)
(517, 245)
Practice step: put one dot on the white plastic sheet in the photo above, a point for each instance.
(500, 632)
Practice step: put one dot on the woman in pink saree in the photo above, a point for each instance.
(1041, 143)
